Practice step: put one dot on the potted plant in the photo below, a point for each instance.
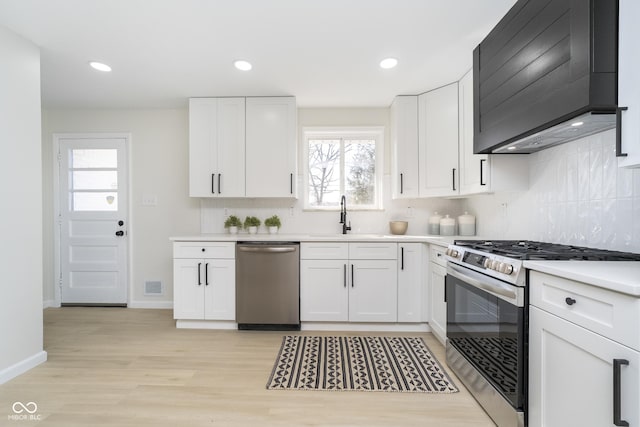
(232, 223)
(273, 224)
(251, 224)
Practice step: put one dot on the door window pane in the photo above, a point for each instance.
(94, 180)
(94, 201)
(94, 158)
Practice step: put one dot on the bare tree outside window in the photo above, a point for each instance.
(360, 164)
(342, 166)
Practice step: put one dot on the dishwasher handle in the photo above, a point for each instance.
(267, 249)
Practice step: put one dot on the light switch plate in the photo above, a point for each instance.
(149, 200)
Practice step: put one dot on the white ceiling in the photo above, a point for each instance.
(325, 52)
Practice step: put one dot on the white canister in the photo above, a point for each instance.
(447, 226)
(434, 224)
(467, 225)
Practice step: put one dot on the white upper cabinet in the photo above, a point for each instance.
(438, 142)
(482, 173)
(628, 84)
(473, 167)
(271, 147)
(216, 147)
(404, 147)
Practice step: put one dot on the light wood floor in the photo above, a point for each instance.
(129, 367)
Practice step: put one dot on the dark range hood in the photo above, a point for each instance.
(545, 75)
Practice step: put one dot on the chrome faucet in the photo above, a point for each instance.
(343, 215)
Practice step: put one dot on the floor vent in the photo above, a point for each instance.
(153, 287)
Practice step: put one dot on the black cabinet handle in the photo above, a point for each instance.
(617, 392)
(401, 183)
(569, 301)
(453, 175)
(199, 280)
(213, 183)
(401, 258)
(344, 270)
(291, 183)
(352, 281)
(219, 188)
(206, 274)
(619, 111)
(482, 162)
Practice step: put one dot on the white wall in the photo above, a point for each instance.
(577, 196)
(159, 166)
(296, 220)
(21, 344)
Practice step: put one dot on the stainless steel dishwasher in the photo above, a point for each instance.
(268, 285)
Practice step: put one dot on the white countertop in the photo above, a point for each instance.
(619, 276)
(279, 237)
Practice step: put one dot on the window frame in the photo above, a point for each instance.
(345, 132)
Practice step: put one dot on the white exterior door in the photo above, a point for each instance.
(93, 219)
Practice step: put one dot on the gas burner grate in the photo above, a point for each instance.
(532, 250)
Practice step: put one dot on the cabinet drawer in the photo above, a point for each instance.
(324, 250)
(204, 250)
(611, 314)
(363, 250)
(436, 254)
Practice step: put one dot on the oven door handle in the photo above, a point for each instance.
(509, 293)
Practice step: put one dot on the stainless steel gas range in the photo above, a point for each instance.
(487, 317)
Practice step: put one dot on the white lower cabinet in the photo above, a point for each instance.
(410, 280)
(573, 371)
(336, 284)
(438, 305)
(204, 288)
(324, 295)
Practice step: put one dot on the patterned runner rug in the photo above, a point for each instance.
(402, 364)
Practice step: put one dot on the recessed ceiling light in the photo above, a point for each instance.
(243, 65)
(576, 124)
(100, 66)
(388, 63)
(511, 148)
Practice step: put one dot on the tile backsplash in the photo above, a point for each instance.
(577, 196)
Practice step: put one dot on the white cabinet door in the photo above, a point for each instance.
(438, 320)
(271, 147)
(188, 289)
(219, 289)
(373, 292)
(324, 292)
(230, 181)
(410, 282)
(404, 147)
(216, 147)
(474, 170)
(571, 375)
(438, 136)
(628, 84)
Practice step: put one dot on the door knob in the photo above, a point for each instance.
(119, 233)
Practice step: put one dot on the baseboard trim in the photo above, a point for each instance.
(23, 366)
(151, 304)
(206, 324)
(365, 327)
(49, 303)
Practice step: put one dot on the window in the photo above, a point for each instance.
(343, 161)
(93, 179)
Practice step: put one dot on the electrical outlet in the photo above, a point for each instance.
(291, 211)
(226, 212)
(409, 213)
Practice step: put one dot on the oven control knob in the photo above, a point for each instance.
(452, 253)
(487, 263)
(495, 265)
(506, 268)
